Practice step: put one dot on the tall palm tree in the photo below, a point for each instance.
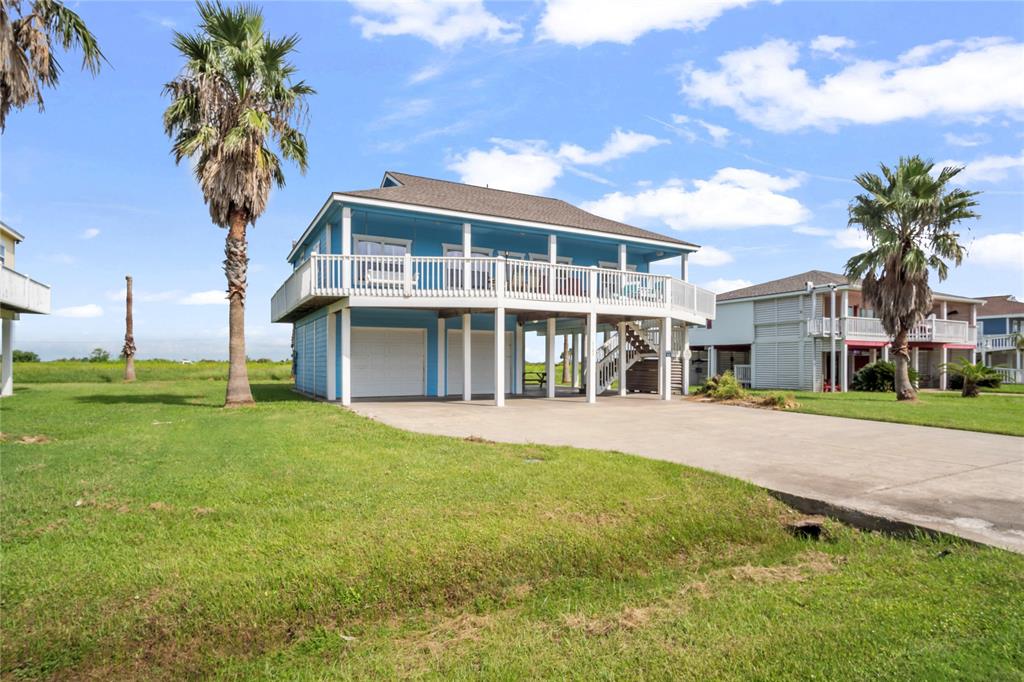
(129, 332)
(909, 215)
(233, 99)
(27, 60)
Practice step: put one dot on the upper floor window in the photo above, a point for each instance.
(610, 265)
(3, 254)
(366, 245)
(543, 257)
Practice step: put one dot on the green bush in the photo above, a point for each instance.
(956, 382)
(879, 377)
(24, 356)
(722, 387)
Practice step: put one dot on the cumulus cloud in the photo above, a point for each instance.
(831, 45)
(584, 22)
(445, 23)
(995, 168)
(710, 256)
(532, 166)
(720, 285)
(210, 297)
(812, 231)
(426, 73)
(90, 233)
(971, 140)
(764, 85)
(87, 310)
(1005, 249)
(732, 198)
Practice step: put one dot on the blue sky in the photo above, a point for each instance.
(736, 125)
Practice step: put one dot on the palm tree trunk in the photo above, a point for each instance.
(901, 355)
(566, 364)
(236, 262)
(129, 333)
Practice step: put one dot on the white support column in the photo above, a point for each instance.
(346, 356)
(549, 357)
(499, 357)
(7, 357)
(442, 356)
(873, 357)
(712, 361)
(591, 360)
(332, 354)
(623, 265)
(346, 247)
(832, 334)
(622, 355)
(977, 336)
(467, 254)
(846, 365)
(944, 310)
(577, 360)
(520, 357)
(943, 374)
(553, 259)
(467, 356)
(916, 357)
(686, 355)
(885, 351)
(327, 234)
(845, 310)
(665, 358)
(684, 270)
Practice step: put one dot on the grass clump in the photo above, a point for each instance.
(723, 387)
(778, 400)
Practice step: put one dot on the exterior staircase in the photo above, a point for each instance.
(638, 348)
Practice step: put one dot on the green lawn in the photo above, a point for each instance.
(989, 413)
(1006, 388)
(159, 536)
(145, 370)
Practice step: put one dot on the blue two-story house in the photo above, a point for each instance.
(387, 281)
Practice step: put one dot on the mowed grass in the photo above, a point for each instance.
(159, 536)
(65, 371)
(988, 412)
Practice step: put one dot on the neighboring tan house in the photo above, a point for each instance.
(778, 335)
(1001, 324)
(18, 294)
(386, 281)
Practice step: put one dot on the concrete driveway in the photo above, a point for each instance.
(969, 484)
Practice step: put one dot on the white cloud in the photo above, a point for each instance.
(718, 133)
(621, 143)
(681, 125)
(90, 233)
(830, 45)
(732, 198)
(210, 297)
(812, 231)
(710, 257)
(850, 238)
(998, 250)
(764, 86)
(720, 285)
(531, 166)
(87, 310)
(966, 140)
(445, 23)
(584, 22)
(994, 168)
(426, 73)
(403, 111)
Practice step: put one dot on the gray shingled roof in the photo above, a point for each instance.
(786, 285)
(1002, 305)
(455, 196)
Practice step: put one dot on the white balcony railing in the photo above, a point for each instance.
(997, 342)
(870, 329)
(1010, 375)
(23, 294)
(743, 374)
(504, 282)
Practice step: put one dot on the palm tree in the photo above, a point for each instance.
(129, 333)
(972, 374)
(235, 97)
(27, 61)
(909, 215)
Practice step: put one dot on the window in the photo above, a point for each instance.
(615, 266)
(382, 273)
(544, 258)
(3, 254)
(381, 246)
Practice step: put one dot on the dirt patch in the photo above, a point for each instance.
(201, 511)
(160, 506)
(630, 618)
(26, 440)
(452, 631)
(478, 439)
(811, 564)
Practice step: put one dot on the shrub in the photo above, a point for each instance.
(972, 375)
(24, 356)
(722, 387)
(879, 377)
(956, 382)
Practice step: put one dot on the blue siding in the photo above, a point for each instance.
(311, 353)
(994, 326)
(320, 353)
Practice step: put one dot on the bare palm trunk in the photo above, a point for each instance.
(236, 262)
(129, 332)
(566, 361)
(901, 355)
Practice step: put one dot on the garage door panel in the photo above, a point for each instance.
(388, 362)
(482, 360)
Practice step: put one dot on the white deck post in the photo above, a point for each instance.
(7, 352)
(553, 259)
(712, 361)
(885, 351)
(684, 269)
(943, 374)
(832, 333)
(873, 355)
(622, 356)
(575, 360)
(974, 325)
(622, 258)
(591, 359)
(520, 357)
(665, 358)
(916, 361)
(346, 248)
(467, 254)
(686, 359)
(846, 366)
(346, 356)
(467, 357)
(499, 357)
(549, 357)
(332, 354)
(442, 343)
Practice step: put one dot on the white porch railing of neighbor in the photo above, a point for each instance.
(870, 329)
(23, 294)
(508, 280)
(997, 342)
(1011, 375)
(742, 374)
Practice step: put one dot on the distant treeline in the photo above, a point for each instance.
(112, 371)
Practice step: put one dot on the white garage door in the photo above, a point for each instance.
(388, 362)
(482, 360)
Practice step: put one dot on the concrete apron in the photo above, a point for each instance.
(959, 482)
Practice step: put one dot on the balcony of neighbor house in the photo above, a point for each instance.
(854, 322)
(450, 282)
(22, 294)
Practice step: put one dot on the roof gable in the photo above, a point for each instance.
(1001, 305)
(786, 285)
